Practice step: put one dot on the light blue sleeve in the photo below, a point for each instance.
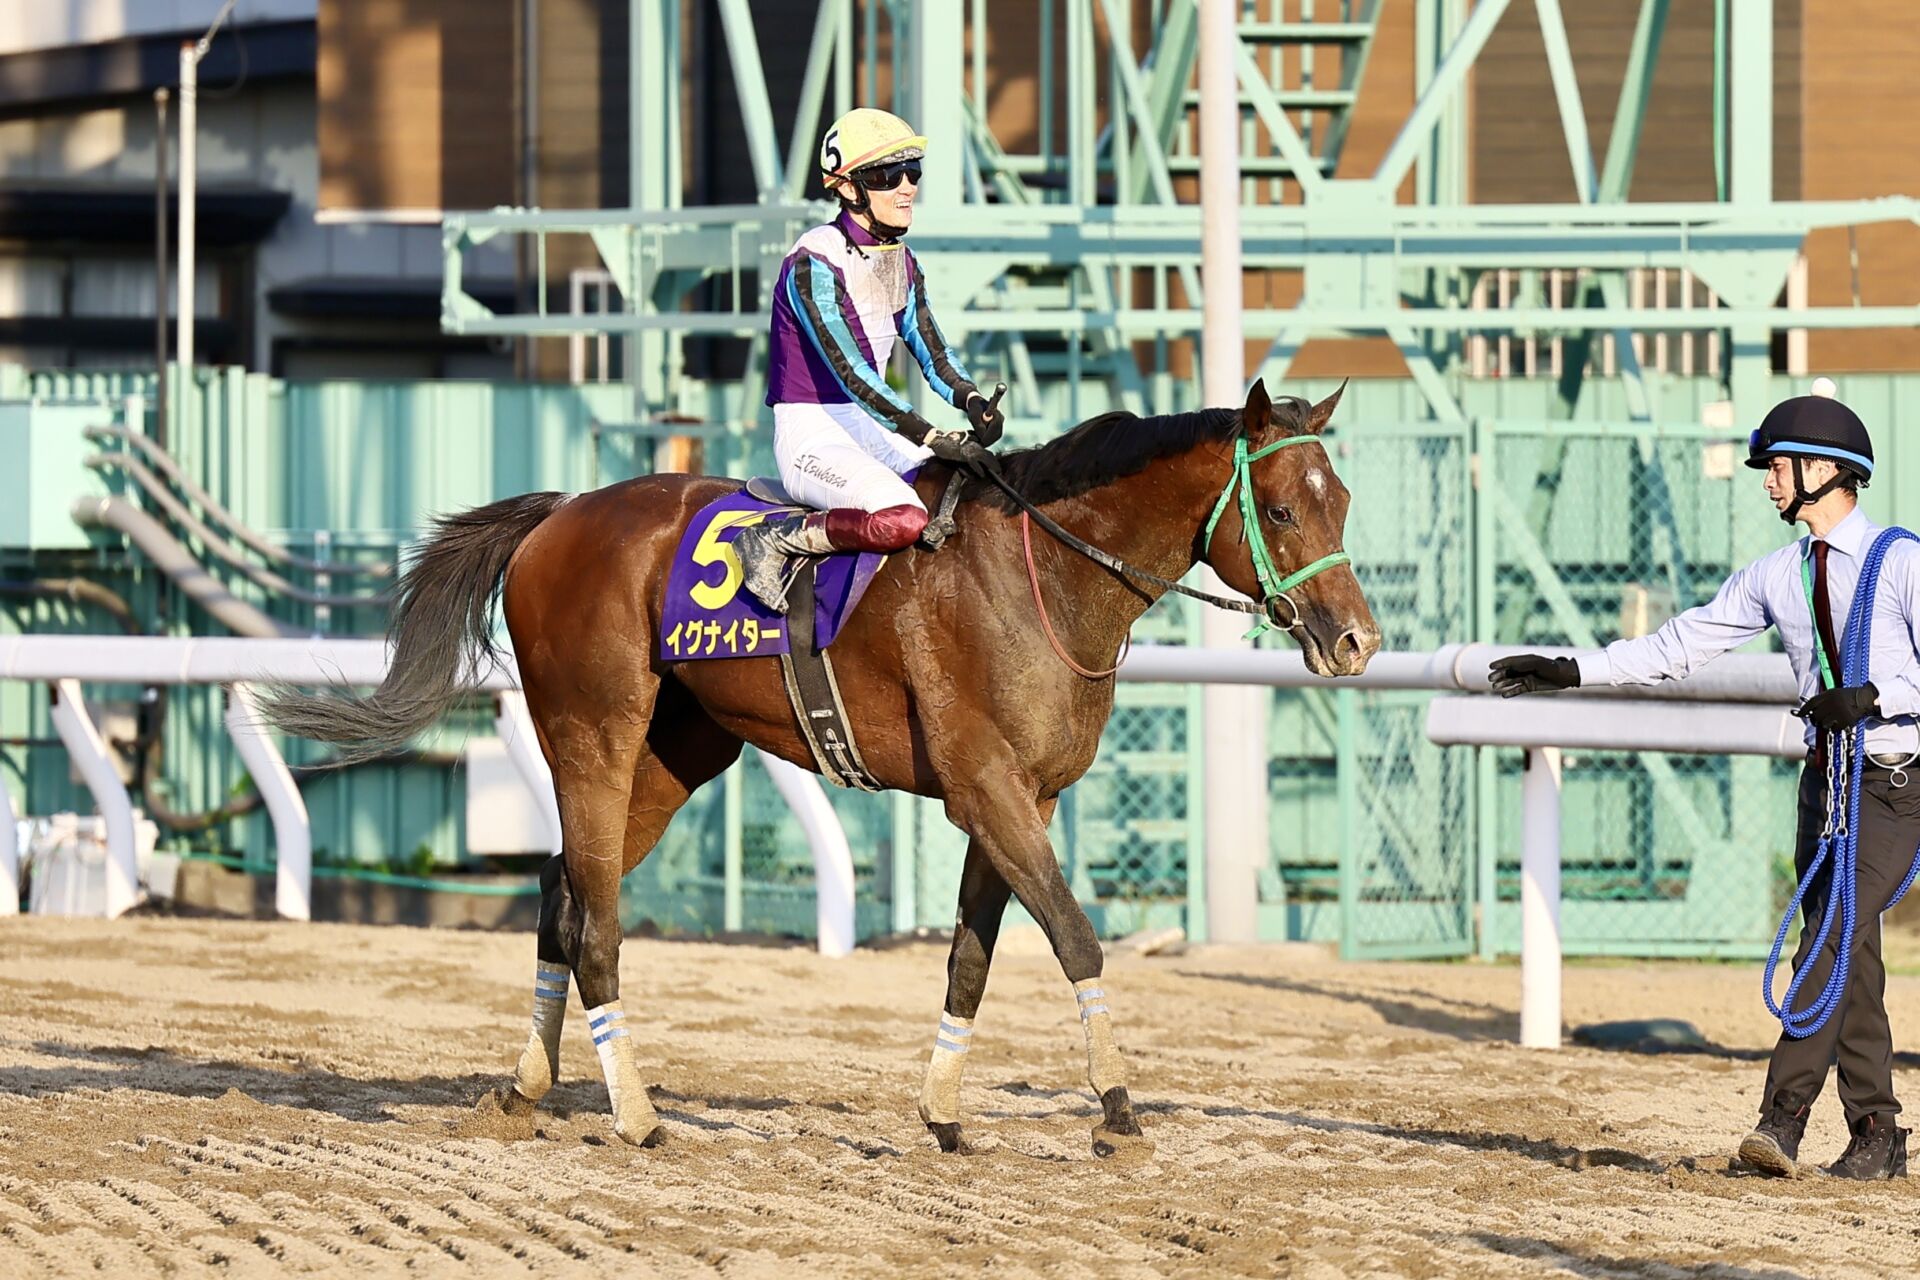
(1688, 641)
(938, 361)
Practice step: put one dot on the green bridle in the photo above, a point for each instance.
(1272, 584)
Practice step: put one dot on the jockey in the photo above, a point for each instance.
(841, 436)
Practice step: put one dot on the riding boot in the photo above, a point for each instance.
(1775, 1144)
(1877, 1150)
(763, 550)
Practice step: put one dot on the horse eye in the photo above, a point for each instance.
(1280, 515)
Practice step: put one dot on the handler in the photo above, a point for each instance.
(1816, 456)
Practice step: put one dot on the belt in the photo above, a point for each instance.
(1891, 759)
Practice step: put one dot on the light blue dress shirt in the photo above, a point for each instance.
(1770, 593)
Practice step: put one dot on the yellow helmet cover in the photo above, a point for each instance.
(867, 136)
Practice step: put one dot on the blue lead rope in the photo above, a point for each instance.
(1840, 840)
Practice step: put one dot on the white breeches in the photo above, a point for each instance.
(835, 456)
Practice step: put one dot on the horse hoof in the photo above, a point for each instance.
(645, 1138)
(948, 1136)
(1129, 1144)
(513, 1103)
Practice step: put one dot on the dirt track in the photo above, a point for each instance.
(185, 1096)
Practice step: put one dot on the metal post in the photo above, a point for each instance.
(1540, 901)
(1235, 724)
(90, 756)
(514, 724)
(1751, 94)
(937, 75)
(732, 851)
(906, 854)
(160, 97)
(9, 854)
(189, 122)
(832, 859)
(292, 827)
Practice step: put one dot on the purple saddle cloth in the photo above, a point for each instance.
(710, 614)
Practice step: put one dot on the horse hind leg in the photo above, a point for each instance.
(683, 749)
(539, 1067)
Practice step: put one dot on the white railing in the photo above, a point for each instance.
(64, 662)
(1753, 693)
(1737, 706)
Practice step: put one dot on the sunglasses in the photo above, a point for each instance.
(885, 177)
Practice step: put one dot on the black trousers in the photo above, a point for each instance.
(1857, 1037)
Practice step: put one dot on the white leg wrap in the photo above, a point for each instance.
(633, 1114)
(940, 1094)
(1104, 1069)
(539, 1067)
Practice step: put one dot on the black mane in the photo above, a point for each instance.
(1109, 447)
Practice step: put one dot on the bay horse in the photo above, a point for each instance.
(944, 669)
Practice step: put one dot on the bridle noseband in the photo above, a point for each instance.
(1265, 571)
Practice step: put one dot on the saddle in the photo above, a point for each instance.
(709, 618)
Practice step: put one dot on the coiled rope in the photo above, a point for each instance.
(1839, 844)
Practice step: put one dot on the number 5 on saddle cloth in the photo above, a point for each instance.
(709, 615)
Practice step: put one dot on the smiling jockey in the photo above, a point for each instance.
(841, 436)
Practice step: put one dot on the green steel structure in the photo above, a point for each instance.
(1377, 836)
(1565, 509)
(1066, 259)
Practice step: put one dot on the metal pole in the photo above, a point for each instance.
(160, 97)
(1540, 901)
(1235, 729)
(189, 122)
(832, 858)
(9, 854)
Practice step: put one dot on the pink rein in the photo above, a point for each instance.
(1046, 623)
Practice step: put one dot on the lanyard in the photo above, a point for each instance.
(1827, 680)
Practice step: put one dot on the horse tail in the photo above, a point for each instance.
(440, 632)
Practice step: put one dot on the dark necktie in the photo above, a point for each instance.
(1823, 622)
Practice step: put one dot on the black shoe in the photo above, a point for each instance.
(1877, 1151)
(1774, 1145)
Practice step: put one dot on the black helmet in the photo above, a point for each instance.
(1812, 427)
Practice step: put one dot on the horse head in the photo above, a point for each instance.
(1299, 514)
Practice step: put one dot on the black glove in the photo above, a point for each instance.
(913, 427)
(962, 450)
(987, 420)
(1532, 673)
(1838, 709)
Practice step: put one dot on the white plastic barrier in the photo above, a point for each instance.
(89, 752)
(9, 854)
(832, 859)
(292, 828)
(65, 661)
(1545, 726)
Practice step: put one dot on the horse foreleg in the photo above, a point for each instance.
(1014, 834)
(983, 899)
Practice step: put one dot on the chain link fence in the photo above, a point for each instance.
(1600, 535)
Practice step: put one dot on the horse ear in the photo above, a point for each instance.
(1322, 413)
(1259, 411)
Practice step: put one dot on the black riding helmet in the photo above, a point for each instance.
(1812, 427)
